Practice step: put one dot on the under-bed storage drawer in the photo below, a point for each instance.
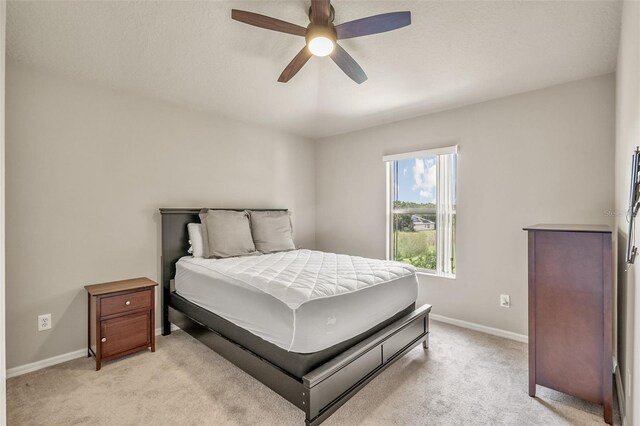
(401, 339)
(341, 381)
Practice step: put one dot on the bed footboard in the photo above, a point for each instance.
(331, 385)
(325, 389)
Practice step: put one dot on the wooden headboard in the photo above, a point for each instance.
(175, 242)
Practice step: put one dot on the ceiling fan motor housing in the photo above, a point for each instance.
(314, 30)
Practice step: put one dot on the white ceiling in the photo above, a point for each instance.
(192, 53)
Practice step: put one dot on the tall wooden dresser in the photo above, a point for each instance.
(570, 313)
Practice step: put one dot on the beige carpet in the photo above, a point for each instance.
(465, 378)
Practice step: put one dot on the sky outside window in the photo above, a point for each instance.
(417, 180)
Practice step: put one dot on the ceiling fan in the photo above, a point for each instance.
(321, 35)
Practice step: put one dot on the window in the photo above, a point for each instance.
(421, 214)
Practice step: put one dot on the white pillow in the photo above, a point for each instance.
(195, 239)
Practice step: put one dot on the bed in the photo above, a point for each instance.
(314, 344)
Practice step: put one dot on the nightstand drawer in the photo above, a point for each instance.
(125, 303)
(124, 333)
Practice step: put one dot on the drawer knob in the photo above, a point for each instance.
(128, 302)
(104, 339)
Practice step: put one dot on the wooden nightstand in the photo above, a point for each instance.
(121, 318)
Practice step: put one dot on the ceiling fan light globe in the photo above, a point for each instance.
(321, 46)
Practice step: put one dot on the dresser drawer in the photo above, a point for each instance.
(124, 333)
(125, 302)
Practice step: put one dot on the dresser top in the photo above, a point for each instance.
(568, 228)
(115, 286)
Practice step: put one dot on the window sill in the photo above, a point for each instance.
(435, 275)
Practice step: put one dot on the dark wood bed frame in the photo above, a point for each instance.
(321, 391)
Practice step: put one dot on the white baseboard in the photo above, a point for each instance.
(38, 365)
(59, 359)
(481, 328)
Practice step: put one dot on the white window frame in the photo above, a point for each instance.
(444, 209)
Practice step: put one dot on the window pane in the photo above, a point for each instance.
(416, 182)
(423, 191)
(415, 212)
(414, 239)
(453, 261)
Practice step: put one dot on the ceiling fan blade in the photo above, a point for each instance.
(348, 65)
(295, 65)
(320, 10)
(267, 22)
(373, 25)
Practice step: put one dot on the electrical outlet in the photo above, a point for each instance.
(44, 322)
(505, 301)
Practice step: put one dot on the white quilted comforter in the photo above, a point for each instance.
(300, 276)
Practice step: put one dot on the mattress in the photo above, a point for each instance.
(302, 301)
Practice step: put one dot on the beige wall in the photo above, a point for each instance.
(627, 138)
(543, 156)
(88, 169)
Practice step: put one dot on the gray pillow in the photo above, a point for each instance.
(226, 233)
(272, 231)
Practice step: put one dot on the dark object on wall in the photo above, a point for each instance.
(634, 205)
(570, 313)
(121, 318)
(319, 392)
